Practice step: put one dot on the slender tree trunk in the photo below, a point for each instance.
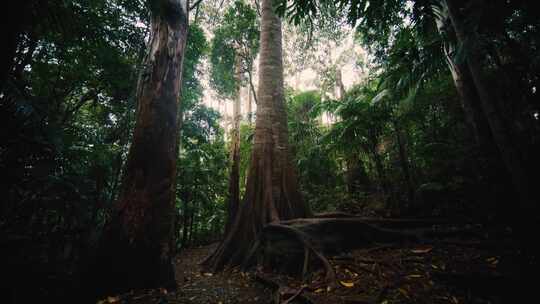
(272, 192)
(404, 162)
(339, 84)
(191, 224)
(470, 101)
(350, 176)
(356, 176)
(249, 110)
(185, 221)
(490, 99)
(380, 171)
(234, 178)
(251, 86)
(137, 246)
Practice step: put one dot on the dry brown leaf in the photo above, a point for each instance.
(414, 276)
(347, 284)
(404, 292)
(422, 250)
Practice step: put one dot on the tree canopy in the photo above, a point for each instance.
(412, 123)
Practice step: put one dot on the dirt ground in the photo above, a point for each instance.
(197, 287)
(464, 272)
(229, 287)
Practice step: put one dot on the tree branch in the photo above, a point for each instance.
(258, 7)
(252, 86)
(81, 102)
(196, 4)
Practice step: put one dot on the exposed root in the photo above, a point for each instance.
(298, 240)
(294, 296)
(299, 246)
(294, 245)
(284, 294)
(308, 246)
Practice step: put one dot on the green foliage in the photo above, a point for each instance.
(203, 160)
(246, 143)
(202, 176)
(222, 57)
(407, 39)
(68, 108)
(236, 38)
(362, 142)
(318, 170)
(363, 120)
(197, 48)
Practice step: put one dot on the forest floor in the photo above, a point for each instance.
(445, 272)
(198, 287)
(228, 287)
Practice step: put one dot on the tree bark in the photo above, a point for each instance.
(272, 192)
(185, 221)
(404, 162)
(191, 225)
(490, 99)
(339, 84)
(234, 178)
(137, 246)
(249, 110)
(465, 88)
(379, 167)
(355, 175)
(252, 87)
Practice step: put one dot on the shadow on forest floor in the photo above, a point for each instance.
(198, 287)
(460, 272)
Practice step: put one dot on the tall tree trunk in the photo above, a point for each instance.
(248, 109)
(404, 162)
(137, 246)
(251, 87)
(272, 192)
(185, 221)
(490, 99)
(380, 171)
(339, 83)
(470, 101)
(234, 178)
(355, 175)
(191, 224)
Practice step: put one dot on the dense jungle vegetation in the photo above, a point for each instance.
(142, 137)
